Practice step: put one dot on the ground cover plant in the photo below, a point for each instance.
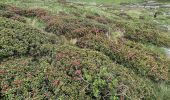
(128, 56)
(83, 50)
(71, 78)
(18, 38)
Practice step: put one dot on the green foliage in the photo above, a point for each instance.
(3, 6)
(73, 73)
(73, 27)
(99, 76)
(80, 66)
(6, 14)
(138, 60)
(144, 32)
(27, 80)
(38, 67)
(34, 12)
(20, 39)
(12, 15)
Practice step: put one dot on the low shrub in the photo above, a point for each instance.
(32, 12)
(96, 73)
(74, 73)
(6, 14)
(74, 27)
(36, 12)
(17, 10)
(98, 18)
(144, 32)
(18, 38)
(38, 67)
(3, 6)
(139, 61)
(12, 15)
(19, 18)
(23, 79)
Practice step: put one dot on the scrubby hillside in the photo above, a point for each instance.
(81, 50)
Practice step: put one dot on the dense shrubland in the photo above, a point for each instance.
(143, 63)
(80, 55)
(144, 31)
(71, 75)
(18, 39)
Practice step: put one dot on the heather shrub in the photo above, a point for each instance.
(12, 15)
(74, 27)
(36, 12)
(19, 39)
(94, 68)
(139, 61)
(19, 18)
(23, 79)
(71, 73)
(17, 10)
(141, 31)
(81, 56)
(3, 6)
(31, 12)
(98, 18)
(6, 14)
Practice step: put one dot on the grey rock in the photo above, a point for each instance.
(168, 13)
(165, 28)
(165, 6)
(167, 51)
